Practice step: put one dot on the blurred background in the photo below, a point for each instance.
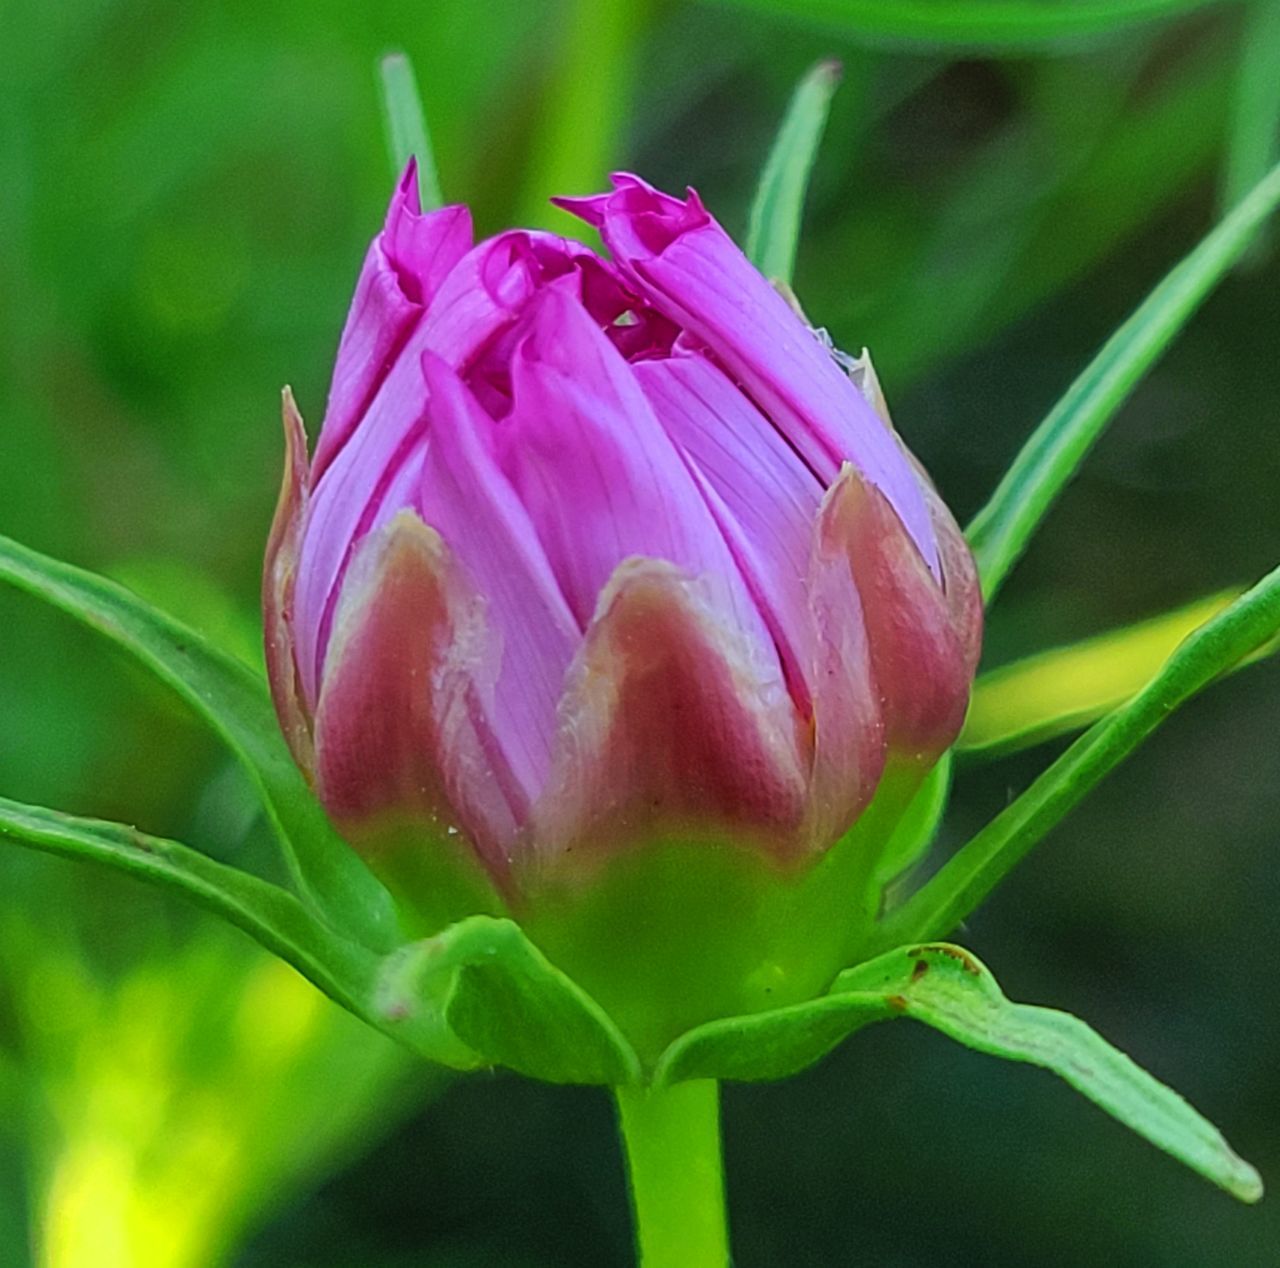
(186, 192)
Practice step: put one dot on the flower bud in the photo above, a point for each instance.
(599, 559)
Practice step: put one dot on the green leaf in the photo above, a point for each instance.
(970, 875)
(477, 994)
(235, 702)
(997, 24)
(406, 127)
(1066, 688)
(483, 983)
(1253, 143)
(945, 987)
(1000, 531)
(773, 230)
(270, 915)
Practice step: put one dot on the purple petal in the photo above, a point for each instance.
(405, 266)
(919, 659)
(681, 259)
(666, 732)
(401, 736)
(599, 477)
(471, 503)
(762, 496)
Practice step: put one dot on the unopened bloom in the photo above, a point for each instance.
(599, 553)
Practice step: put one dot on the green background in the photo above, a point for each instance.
(185, 195)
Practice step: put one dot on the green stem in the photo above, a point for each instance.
(672, 1137)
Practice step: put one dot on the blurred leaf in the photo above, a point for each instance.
(583, 110)
(1000, 532)
(773, 229)
(195, 599)
(1065, 688)
(1013, 25)
(948, 989)
(483, 982)
(270, 915)
(970, 875)
(406, 127)
(1253, 143)
(234, 701)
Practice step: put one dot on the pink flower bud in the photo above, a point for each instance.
(596, 553)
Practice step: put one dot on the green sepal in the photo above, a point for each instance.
(480, 994)
(947, 988)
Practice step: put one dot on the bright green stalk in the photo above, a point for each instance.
(582, 113)
(406, 127)
(672, 1137)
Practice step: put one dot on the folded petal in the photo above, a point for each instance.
(376, 474)
(848, 716)
(401, 730)
(278, 580)
(762, 495)
(473, 506)
(919, 658)
(685, 264)
(403, 269)
(665, 731)
(599, 476)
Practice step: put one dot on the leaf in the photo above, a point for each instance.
(970, 875)
(1066, 688)
(234, 701)
(1000, 531)
(995, 24)
(485, 984)
(270, 915)
(945, 987)
(406, 127)
(773, 229)
(479, 993)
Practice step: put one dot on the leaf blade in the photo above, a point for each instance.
(773, 227)
(270, 915)
(979, 865)
(234, 701)
(950, 990)
(999, 533)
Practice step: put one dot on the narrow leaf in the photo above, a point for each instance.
(484, 983)
(1001, 530)
(970, 875)
(995, 24)
(945, 987)
(405, 125)
(773, 230)
(234, 701)
(1067, 688)
(270, 915)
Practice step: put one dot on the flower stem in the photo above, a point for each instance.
(672, 1138)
